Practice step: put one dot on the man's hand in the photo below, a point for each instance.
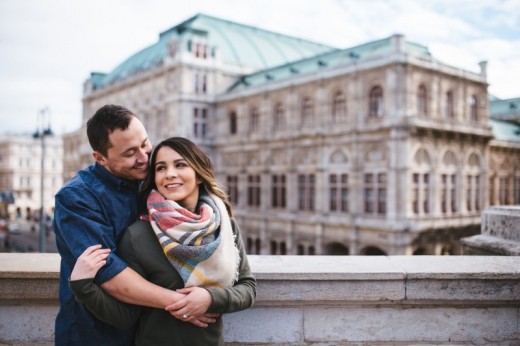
(90, 261)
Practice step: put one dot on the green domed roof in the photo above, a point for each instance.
(238, 44)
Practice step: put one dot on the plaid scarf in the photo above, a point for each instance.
(201, 247)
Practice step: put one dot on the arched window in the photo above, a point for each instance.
(279, 116)
(254, 119)
(233, 122)
(473, 184)
(339, 107)
(473, 108)
(307, 111)
(422, 108)
(421, 183)
(375, 102)
(450, 110)
(449, 193)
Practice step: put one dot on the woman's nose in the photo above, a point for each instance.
(170, 172)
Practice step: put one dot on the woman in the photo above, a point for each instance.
(185, 241)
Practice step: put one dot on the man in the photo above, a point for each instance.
(96, 207)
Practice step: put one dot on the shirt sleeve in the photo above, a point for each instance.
(79, 222)
(243, 293)
(105, 307)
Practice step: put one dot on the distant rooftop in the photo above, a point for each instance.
(505, 130)
(506, 106)
(329, 59)
(238, 44)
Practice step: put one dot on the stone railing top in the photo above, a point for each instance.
(36, 265)
(29, 265)
(384, 267)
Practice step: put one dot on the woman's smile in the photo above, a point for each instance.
(175, 179)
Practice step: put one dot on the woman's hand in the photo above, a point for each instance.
(192, 308)
(203, 320)
(90, 261)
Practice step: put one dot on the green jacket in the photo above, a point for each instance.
(140, 248)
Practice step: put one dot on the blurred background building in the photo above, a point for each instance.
(375, 149)
(21, 177)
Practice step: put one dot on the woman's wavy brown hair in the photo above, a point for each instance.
(196, 158)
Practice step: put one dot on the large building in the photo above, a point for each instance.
(21, 175)
(374, 149)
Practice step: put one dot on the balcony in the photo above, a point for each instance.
(320, 300)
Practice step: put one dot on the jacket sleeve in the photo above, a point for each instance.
(243, 293)
(104, 306)
(79, 222)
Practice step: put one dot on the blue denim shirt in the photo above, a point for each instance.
(94, 207)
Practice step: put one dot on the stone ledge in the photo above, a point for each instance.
(320, 300)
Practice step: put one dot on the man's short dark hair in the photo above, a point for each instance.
(106, 120)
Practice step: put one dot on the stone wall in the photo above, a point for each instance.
(500, 233)
(320, 300)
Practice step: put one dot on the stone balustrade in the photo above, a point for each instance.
(500, 233)
(320, 300)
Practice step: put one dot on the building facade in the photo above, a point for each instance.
(374, 149)
(21, 175)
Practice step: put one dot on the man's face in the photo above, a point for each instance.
(127, 158)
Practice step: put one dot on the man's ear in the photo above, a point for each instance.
(99, 158)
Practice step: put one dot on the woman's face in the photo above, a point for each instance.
(175, 179)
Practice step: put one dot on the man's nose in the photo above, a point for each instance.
(143, 155)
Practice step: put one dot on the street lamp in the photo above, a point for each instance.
(41, 132)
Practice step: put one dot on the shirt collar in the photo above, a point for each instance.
(116, 182)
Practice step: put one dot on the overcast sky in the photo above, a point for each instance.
(48, 48)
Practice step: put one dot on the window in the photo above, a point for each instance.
(254, 119)
(473, 108)
(492, 196)
(200, 51)
(426, 193)
(253, 190)
(306, 190)
(375, 102)
(279, 117)
(472, 192)
(307, 111)
(450, 111)
(375, 193)
(381, 193)
(476, 196)
(196, 82)
(369, 193)
(204, 84)
(415, 193)
(338, 199)
(339, 107)
(233, 122)
(278, 191)
(516, 191)
(199, 122)
(453, 193)
(253, 246)
(469, 193)
(232, 188)
(503, 191)
(278, 249)
(422, 100)
(448, 193)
